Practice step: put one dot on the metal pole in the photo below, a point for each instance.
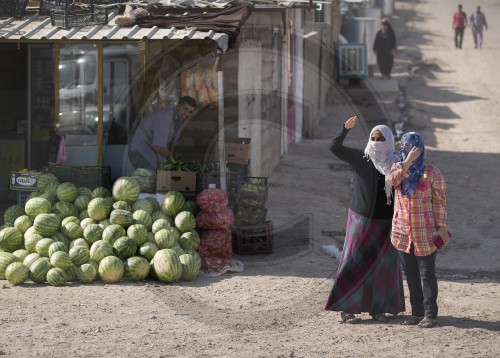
(222, 148)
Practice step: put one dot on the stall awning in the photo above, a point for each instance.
(39, 28)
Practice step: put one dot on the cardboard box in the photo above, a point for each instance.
(23, 181)
(177, 181)
(237, 150)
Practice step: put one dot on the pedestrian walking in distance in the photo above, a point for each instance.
(459, 24)
(477, 22)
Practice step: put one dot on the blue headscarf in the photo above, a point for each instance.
(414, 139)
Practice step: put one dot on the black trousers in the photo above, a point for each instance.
(420, 274)
(459, 36)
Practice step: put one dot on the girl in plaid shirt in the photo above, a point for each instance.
(419, 226)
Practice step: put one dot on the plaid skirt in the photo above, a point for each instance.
(369, 277)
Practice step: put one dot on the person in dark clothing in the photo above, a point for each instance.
(369, 277)
(385, 48)
(459, 24)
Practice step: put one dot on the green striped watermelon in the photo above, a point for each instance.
(67, 192)
(126, 189)
(167, 266)
(124, 247)
(11, 239)
(121, 217)
(43, 245)
(21, 254)
(39, 269)
(84, 214)
(159, 214)
(164, 239)
(113, 232)
(122, 205)
(177, 248)
(142, 217)
(44, 180)
(82, 202)
(56, 276)
(34, 194)
(79, 242)
(101, 192)
(17, 273)
(79, 255)
(50, 196)
(36, 206)
(138, 233)
(185, 221)
(100, 249)
(57, 246)
(137, 268)
(12, 213)
(52, 189)
(30, 259)
(86, 222)
(60, 259)
(68, 219)
(98, 209)
(160, 224)
(173, 202)
(60, 237)
(143, 204)
(31, 240)
(72, 231)
(86, 273)
(148, 250)
(64, 209)
(47, 224)
(93, 233)
(104, 223)
(6, 258)
(191, 265)
(84, 191)
(190, 240)
(111, 269)
(71, 273)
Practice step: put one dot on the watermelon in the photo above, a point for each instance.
(167, 266)
(11, 239)
(68, 219)
(44, 180)
(79, 242)
(60, 259)
(101, 192)
(154, 202)
(79, 255)
(47, 224)
(67, 192)
(34, 194)
(159, 214)
(84, 191)
(84, 214)
(191, 207)
(191, 265)
(146, 178)
(113, 232)
(64, 209)
(50, 196)
(39, 269)
(72, 231)
(6, 258)
(111, 269)
(143, 204)
(137, 268)
(30, 242)
(21, 254)
(6, 224)
(151, 237)
(30, 259)
(148, 250)
(42, 246)
(71, 273)
(138, 233)
(56, 276)
(173, 202)
(190, 240)
(124, 247)
(60, 237)
(93, 233)
(160, 224)
(100, 249)
(178, 250)
(126, 189)
(164, 238)
(121, 217)
(86, 273)
(185, 221)
(94, 264)
(51, 189)
(142, 217)
(57, 246)
(12, 213)
(86, 222)
(82, 202)
(104, 223)
(17, 273)
(37, 206)
(122, 205)
(98, 209)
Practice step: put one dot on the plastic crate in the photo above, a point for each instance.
(13, 8)
(254, 239)
(91, 177)
(22, 197)
(62, 172)
(46, 6)
(73, 16)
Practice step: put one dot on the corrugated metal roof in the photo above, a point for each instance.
(39, 28)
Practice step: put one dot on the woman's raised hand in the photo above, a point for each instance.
(350, 122)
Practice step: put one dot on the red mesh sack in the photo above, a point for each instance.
(217, 220)
(214, 264)
(212, 200)
(217, 243)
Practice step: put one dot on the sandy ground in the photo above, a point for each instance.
(275, 307)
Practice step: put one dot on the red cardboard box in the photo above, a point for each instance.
(177, 181)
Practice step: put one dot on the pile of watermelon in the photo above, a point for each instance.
(66, 233)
